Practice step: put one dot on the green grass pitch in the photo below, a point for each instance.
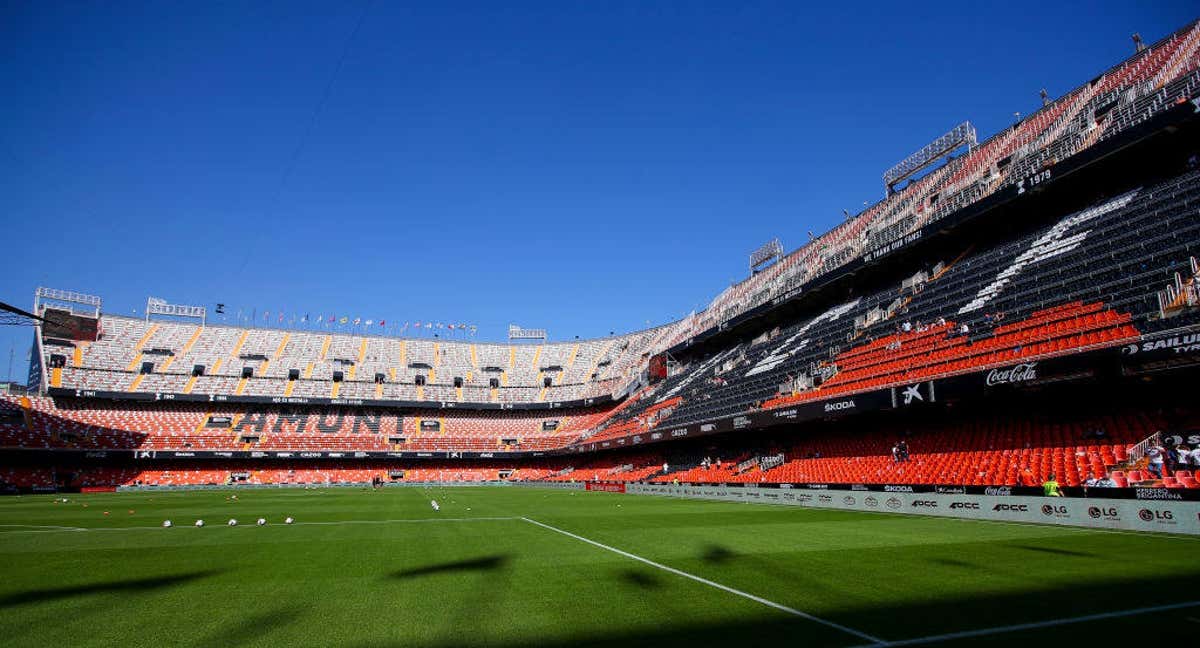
(381, 568)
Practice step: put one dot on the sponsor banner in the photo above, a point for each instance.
(1187, 344)
(304, 400)
(606, 488)
(1169, 516)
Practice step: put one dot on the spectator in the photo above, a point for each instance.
(1106, 482)
(903, 446)
(896, 453)
(1050, 487)
(1173, 458)
(1156, 455)
(1183, 458)
(1194, 455)
(1090, 481)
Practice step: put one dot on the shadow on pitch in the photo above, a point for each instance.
(717, 554)
(253, 627)
(489, 563)
(641, 579)
(127, 586)
(1057, 551)
(954, 562)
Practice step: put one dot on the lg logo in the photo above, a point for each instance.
(1096, 512)
(1149, 515)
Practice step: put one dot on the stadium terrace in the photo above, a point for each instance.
(1057, 256)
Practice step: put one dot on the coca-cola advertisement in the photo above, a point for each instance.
(607, 488)
(1022, 373)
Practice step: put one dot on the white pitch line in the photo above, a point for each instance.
(470, 519)
(713, 584)
(1034, 625)
(37, 528)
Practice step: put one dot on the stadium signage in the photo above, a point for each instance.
(301, 400)
(838, 406)
(1156, 494)
(1024, 372)
(680, 432)
(1051, 510)
(1191, 440)
(1180, 344)
(1001, 491)
(1157, 516)
(1175, 517)
(893, 246)
(897, 489)
(1031, 181)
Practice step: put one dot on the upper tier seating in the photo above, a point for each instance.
(1089, 280)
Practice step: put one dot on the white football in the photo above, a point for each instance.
(199, 523)
(288, 521)
(261, 521)
(232, 522)
(166, 523)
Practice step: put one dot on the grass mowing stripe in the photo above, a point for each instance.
(705, 581)
(982, 632)
(54, 529)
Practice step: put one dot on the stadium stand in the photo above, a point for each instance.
(1106, 263)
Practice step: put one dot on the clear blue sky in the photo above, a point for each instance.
(585, 167)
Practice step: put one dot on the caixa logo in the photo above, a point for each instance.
(1097, 512)
(871, 501)
(974, 506)
(1023, 372)
(1012, 508)
(849, 501)
(924, 504)
(894, 503)
(1157, 515)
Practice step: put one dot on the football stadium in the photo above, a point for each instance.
(965, 414)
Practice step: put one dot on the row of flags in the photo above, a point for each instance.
(345, 321)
